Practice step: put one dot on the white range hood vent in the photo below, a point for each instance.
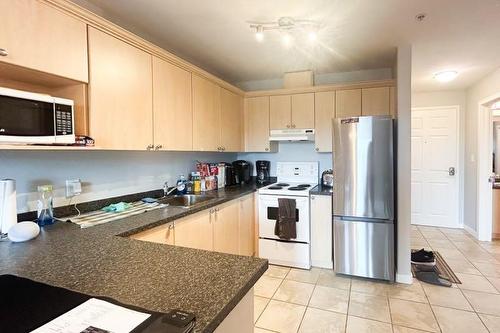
(292, 135)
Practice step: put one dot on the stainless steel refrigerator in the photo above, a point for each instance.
(363, 197)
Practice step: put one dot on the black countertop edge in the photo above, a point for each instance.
(321, 190)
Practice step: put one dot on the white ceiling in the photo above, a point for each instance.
(356, 34)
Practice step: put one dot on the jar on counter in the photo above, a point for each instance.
(45, 205)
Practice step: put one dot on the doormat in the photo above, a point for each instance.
(441, 268)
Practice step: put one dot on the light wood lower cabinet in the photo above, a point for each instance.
(120, 93)
(163, 234)
(246, 232)
(37, 36)
(227, 228)
(195, 231)
(321, 231)
(172, 107)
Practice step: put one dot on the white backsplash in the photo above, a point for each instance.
(104, 174)
(291, 152)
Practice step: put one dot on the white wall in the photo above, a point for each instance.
(328, 78)
(486, 87)
(291, 152)
(103, 173)
(449, 98)
(403, 75)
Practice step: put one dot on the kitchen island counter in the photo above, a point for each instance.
(98, 261)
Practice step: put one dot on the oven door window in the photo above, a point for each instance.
(272, 214)
(23, 117)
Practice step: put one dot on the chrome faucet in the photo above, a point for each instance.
(166, 191)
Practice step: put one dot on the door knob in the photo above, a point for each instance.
(451, 171)
(3, 52)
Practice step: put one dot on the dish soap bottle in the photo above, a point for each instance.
(181, 185)
(45, 205)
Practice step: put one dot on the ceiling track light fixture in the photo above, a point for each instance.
(287, 26)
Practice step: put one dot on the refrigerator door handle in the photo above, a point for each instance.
(361, 219)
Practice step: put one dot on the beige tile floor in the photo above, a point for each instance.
(294, 300)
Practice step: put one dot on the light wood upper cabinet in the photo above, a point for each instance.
(323, 117)
(280, 111)
(164, 234)
(43, 38)
(226, 228)
(172, 108)
(206, 110)
(303, 110)
(256, 113)
(195, 231)
(231, 114)
(376, 101)
(348, 103)
(246, 230)
(120, 93)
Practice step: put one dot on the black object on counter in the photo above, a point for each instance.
(242, 171)
(27, 305)
(263, 169)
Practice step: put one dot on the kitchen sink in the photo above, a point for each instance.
(184, 200)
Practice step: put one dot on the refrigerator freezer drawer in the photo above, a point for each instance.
(363, 248)
(285, 253)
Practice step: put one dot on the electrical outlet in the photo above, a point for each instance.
(73, 187)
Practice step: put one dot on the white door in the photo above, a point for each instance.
(434, 167)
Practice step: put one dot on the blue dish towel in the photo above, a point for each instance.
(117, 207)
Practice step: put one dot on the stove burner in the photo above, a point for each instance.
(282, 184)
(297, 188)
(304, 185)
(275, 187)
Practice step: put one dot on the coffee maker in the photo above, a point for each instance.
(263, 171)
(241, 172)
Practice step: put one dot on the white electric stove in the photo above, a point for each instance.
(295, 180)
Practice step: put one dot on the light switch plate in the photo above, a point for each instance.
(73, 187)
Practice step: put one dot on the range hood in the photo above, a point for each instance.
(292, 135)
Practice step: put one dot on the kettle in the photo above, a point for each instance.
(327, 178)
(8, 208)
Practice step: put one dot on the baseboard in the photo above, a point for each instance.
(404, 278)
(470, 231)
(322, 264)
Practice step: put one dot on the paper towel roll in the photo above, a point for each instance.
(8, 205)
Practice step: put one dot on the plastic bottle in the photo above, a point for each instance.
(181, 185)
(45, 205)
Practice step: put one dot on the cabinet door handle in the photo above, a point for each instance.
(3, 52)
(223, 148)
(267, 149)
(149, 147)
(317, 149)
(287, 126)
(171, 226)
(312, 197)
(293, 125)
(158, 147)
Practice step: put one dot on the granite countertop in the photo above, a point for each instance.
(157, 277)
(321, 190)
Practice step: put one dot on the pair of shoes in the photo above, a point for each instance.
(422, 257)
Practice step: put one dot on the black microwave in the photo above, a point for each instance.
(32, 118)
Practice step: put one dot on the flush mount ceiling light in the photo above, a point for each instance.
(446, 76)
(287, 26)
